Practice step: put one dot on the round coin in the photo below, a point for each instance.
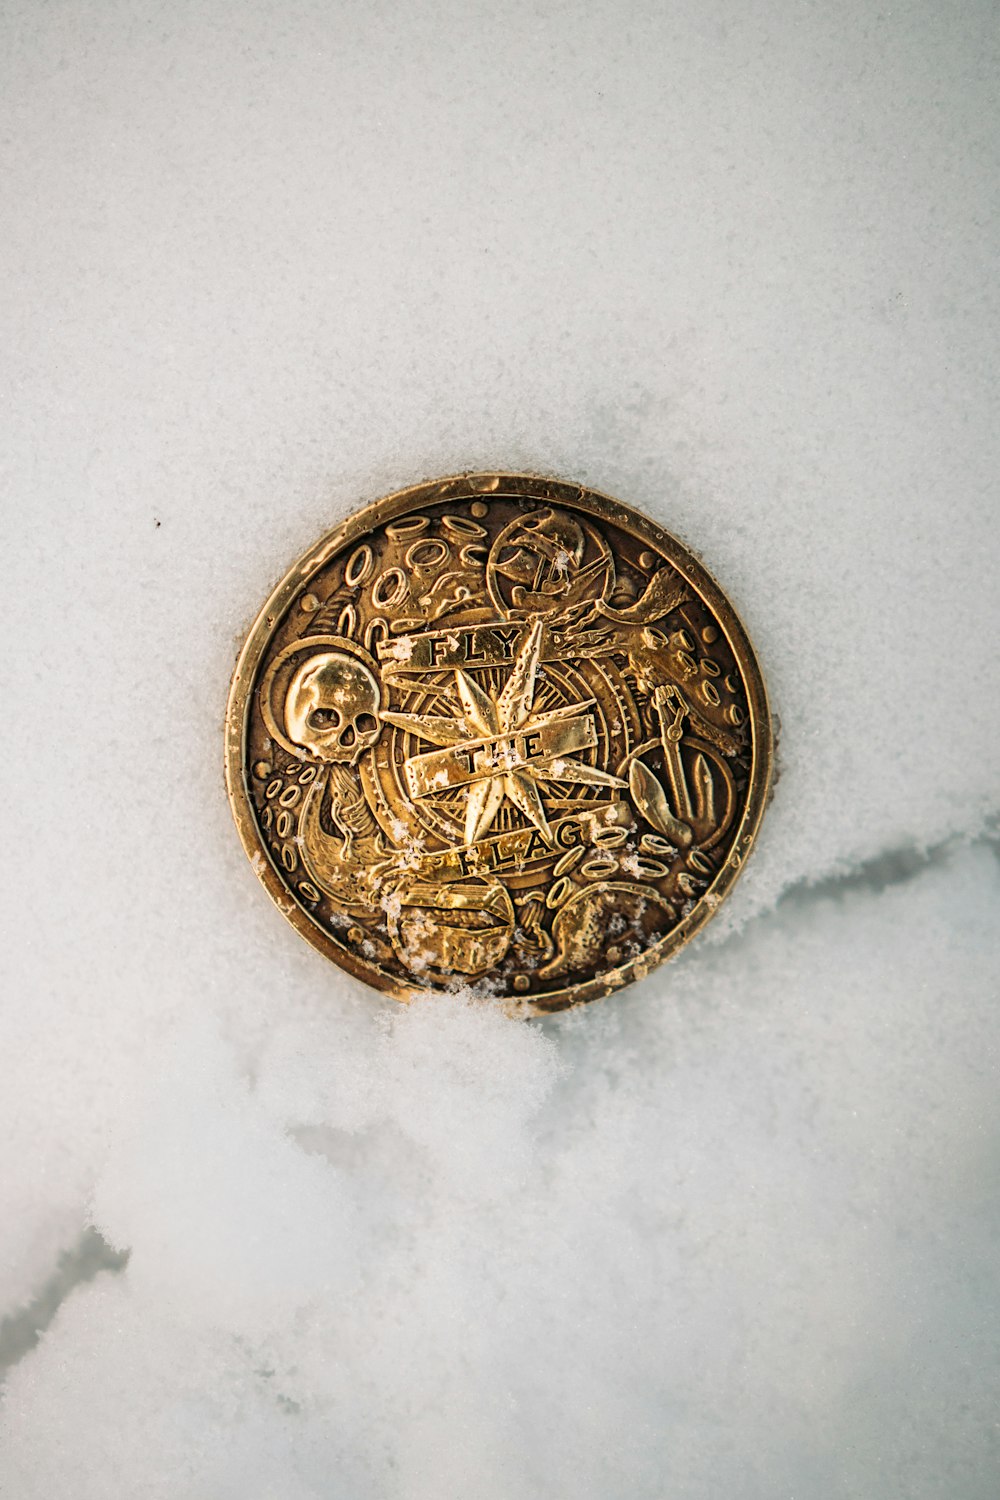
(498, 734)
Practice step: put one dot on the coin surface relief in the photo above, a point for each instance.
(498, 733)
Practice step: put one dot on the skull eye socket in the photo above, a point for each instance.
(365, 723)
(324, 718)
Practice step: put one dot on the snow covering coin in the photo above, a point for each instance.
(502, 733)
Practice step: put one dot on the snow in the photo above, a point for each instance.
(734, 1244)
(730, 1232)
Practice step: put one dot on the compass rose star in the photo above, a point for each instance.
(502, 771)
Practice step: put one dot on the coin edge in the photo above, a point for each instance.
(470, 486)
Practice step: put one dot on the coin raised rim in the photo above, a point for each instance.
(472, 486)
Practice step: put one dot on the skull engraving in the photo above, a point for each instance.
(331, 707)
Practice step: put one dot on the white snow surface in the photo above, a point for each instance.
(733, 1232)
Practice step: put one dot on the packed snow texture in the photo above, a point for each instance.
(733, 1232)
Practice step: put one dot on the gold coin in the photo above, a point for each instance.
(501, 734)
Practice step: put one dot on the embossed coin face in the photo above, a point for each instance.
(498, 733)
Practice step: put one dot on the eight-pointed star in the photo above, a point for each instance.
(501, 773)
